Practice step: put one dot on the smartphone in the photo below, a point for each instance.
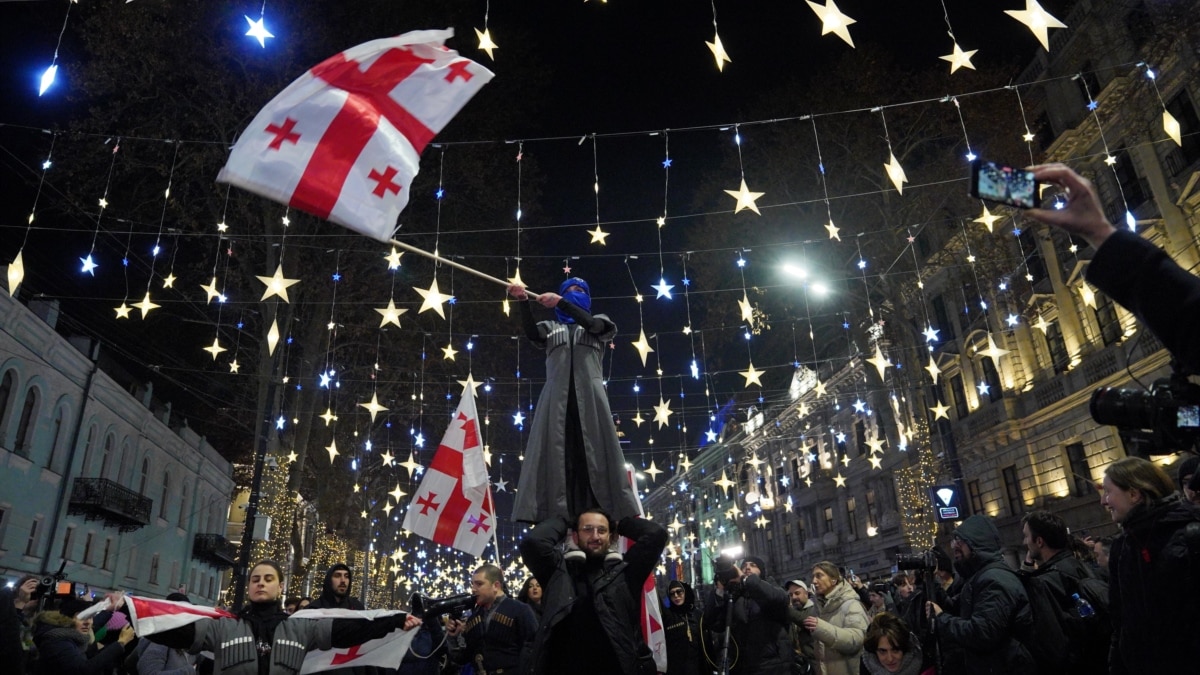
(1004, 184)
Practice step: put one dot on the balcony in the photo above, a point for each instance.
(214, 550)
(102, 499)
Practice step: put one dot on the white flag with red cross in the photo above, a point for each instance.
(453, 505)
(344, 140)
(651, 617)
(384, 652)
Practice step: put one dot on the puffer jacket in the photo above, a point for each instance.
(839, 632)
(1152, 588)
(62, 650)
(992, 611)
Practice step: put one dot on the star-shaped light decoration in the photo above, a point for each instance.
(485, 42)
(642, 346)
(761, 522)
(746, 309)
(387, 458)
(215, 348)
(833, 230)
(16, 273)
(987, 219)
(638, 420)
(653, 471)
(1088, 295)
(895, 172)
(598, 236)
(860, 406)
(933, 369)
(145, 305)
(432, 298)
(89, 266)
(373, 406)
(663, 288)
(448, 352)
(724, 483)
(993, 352)
(733, 512)
(276, 284)
(875, 445)
(273, 337)
(411, 465)
(518, 419)
(755, 462)
(880, 361)
(258, 31)
(332, 449)
(501, 485)
(752, 375)
(833, 21)
(718, 52)
(959, 59)
(983, 388)
(292, 457)
(393, 259)
(211, 290)
(930, 333)
(390, 314)
(819, 388)
(397, 493)
(387, 509)
(839, 480)
(662, 412)
(745, 198)
(328, 416)
(685, 463)
(169, 280)
(1038, 20)
(1042, 324)
(123, 312)
(1171, 126)
(876, 462)
(234, 366)
(940, 411)
(469, 385)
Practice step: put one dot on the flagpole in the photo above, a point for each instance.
(495, 529)
(460, 266)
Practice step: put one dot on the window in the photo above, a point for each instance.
(872, 510)
(131, 568)
(942, 317)
(991, 377)
(787, 538)
(166, 490)
(106, 456)
(31, 544)
(87, 450)
(1106, 318)
(66, 547)
(828, 519)
(1132, 187)
(145, 476)
(975, 496)
(6, 389)
(154, 569)
(860, 437)
(959, 394)
(183, 507)
(1080, 479)
(852, 516)
(800, 532)
(125, 467)
(1059, 359)
(1012, 490)
(56, 456)
(174, 574)
(1180, 158)
(106, 559)
(1089, 85)
(87, 549)
(25, 425)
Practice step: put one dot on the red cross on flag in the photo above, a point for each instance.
(343, 141)
(453, 505)
(384, 652)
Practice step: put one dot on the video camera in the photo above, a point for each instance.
(457, 607)
(925, 561)
(1163, 420)
(724, 570)
(53, 585)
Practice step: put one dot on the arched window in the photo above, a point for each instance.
(6, 390)
(125, 467)
(55, 456)
(166, 490)
(25, 424)
(145, 476)
(183, 507)
(88, 447)
(106, 456)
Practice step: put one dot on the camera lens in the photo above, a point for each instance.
(1128, 408)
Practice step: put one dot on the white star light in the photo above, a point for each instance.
(518, 419)
(663, 288)
(931, 334)
(88, 265)
(832, 20)
(258, 30)
(1038, 20)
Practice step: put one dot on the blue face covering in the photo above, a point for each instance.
(581, 299)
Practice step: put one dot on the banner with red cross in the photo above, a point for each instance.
(453, 505)
(343, 141)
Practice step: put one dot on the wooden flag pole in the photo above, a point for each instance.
(460, 266)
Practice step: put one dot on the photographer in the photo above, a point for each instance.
(759, 619)
(1127, 268)
(12, 622)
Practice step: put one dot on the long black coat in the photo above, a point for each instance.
(684, 639)
(1152, 590)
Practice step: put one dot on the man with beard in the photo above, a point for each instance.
(590, 618)
(992, 609)
(682, 624)
(335, 594)
(802, 608)
(760, 620)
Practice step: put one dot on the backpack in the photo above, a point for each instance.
(1045, 636)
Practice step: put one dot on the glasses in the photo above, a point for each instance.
(677, 591)
(598, 529)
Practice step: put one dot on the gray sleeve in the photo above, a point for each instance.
(320, 634)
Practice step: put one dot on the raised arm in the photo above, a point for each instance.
(539, 548)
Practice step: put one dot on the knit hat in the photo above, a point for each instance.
(1188, 468)
(762, 565)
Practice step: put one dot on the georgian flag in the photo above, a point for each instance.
(155, 616)
(453, 505)
(343, 141)
(651, 617)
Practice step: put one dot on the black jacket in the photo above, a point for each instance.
(499, 635)
(330, 600)
(760, 627)
(1061, 575)
(1152, 590)
(992, 610)
(684, 640)
(1143, 279)
(62, 650)
(613, 590)
(12, 652)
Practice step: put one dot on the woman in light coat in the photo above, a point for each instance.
(839, 630)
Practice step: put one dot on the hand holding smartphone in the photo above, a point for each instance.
(1004, 184)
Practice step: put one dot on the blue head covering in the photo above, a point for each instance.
(581, 299)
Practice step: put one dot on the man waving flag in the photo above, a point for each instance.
(344, 140)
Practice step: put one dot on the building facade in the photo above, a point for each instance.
(95, 479)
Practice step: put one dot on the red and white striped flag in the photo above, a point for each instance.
(343, 141)
(453, 505)
(151, 616)
(651, 617)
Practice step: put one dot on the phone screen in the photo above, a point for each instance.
(1003, 184)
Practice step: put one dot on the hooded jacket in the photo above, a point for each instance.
(682, 625)
(761, 620)
(62, 650)
(993, 609)
(838, 636)
(1152, 587)
(331, 600)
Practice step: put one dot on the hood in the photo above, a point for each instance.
(53, 619)
(582, 299)
(980, 533)
(52, 626)
(328, 597)
(689, 597)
